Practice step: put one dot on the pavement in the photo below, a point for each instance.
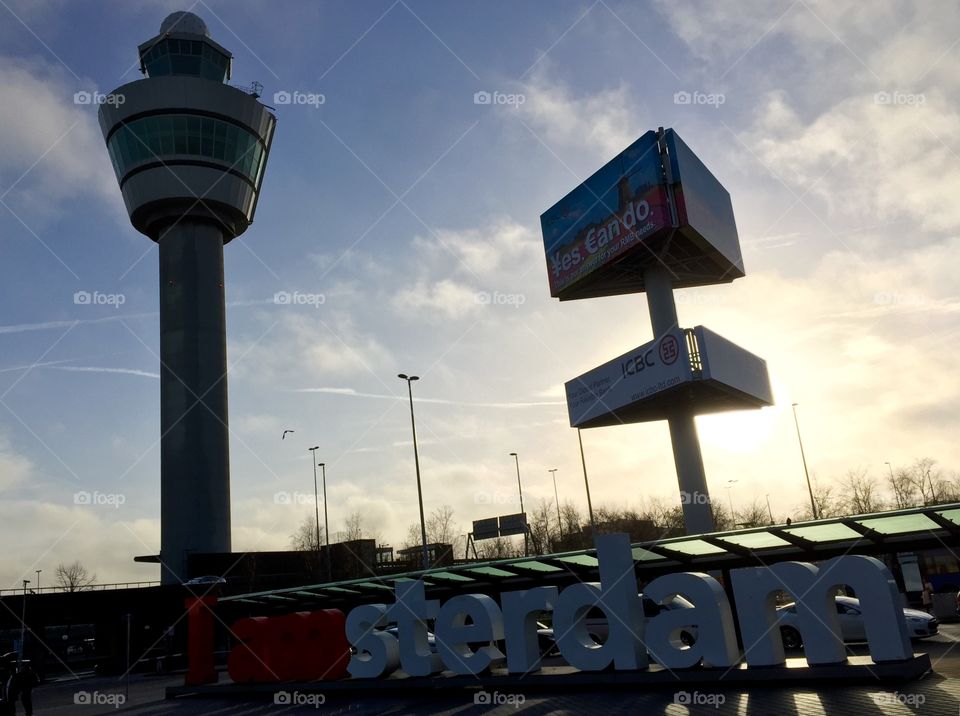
(936, 694)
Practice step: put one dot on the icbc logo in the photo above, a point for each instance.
(669, 350)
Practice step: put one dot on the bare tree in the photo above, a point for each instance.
(74, 577)
(571, 517)
(305, 538)
(541, 522)
(498, 548)
(903, 489)
(924, 475)
(353, 527)
(861, 493)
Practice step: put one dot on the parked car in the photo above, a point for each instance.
(920, 625)
(209, 579)
(598, 629)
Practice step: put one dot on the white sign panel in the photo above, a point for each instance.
(652, 368)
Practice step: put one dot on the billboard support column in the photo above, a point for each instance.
(697, 515)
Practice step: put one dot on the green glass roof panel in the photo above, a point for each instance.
(340, 590)
(644, 555)
(693, 547)
(584, 560)
(824, 533)
(374, 585)
(536, 566)
(756, 540)
(952, 515)
(491, 572)
(451, 576)
(900, 524)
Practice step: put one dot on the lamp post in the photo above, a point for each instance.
(556, 497)
(769, 511)
(38, 580)
(813, 503)
(526, 547)
(316, 499)
(729, 489)
(23, 623)
(416, 462)
(326, 523)
(586, 482)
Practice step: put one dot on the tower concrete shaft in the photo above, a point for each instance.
(194, 445)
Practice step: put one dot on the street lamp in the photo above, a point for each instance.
(23, 623)
(38, 580)
(526, 547)
(416, 462)
(730, 497)
(326, 523)
(769, 511)
(316, 499)
(553, 472)
(813, 503)
(583, 460)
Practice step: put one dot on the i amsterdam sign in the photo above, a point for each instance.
(474, 632)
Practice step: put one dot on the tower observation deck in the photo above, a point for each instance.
(189, 152)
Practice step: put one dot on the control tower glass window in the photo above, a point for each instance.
(167, 137)
(185, 57)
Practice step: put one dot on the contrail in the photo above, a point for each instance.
(99, 369)
(440, 401)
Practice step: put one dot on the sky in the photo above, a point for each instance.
(394, 205)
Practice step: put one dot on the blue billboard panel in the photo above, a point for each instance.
(601, 237)
(624, 202)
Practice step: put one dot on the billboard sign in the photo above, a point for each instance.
(486, 529)
(612, 212)
(513, 524)
(654, 367)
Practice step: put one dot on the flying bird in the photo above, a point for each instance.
(283, 437)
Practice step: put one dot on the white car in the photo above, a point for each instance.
(597, 628)
(919, 624)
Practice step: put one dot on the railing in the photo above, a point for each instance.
(87, 588)
(254, 89)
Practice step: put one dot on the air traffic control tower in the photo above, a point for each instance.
(189, 152)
